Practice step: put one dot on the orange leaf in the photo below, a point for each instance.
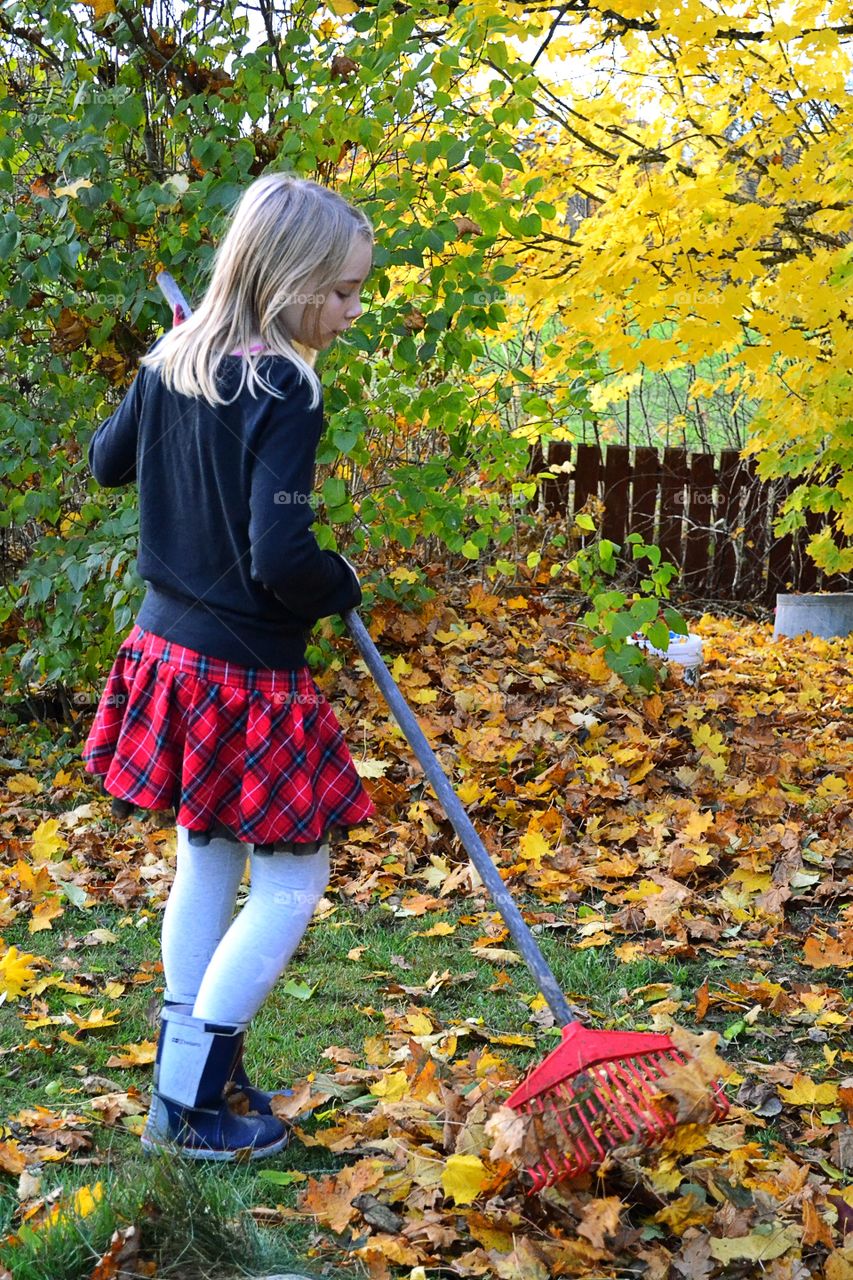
(330, 1199)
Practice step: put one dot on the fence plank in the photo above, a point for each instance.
(783, 561)
(698, 566)
(644, 492)
(617, 478)
(727, 516)
(587, 467)
(755, 537)
(673, 487)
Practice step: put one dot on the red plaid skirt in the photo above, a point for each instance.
(259, 751)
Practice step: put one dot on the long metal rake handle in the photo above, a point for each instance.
(452, 806)
(436, 776)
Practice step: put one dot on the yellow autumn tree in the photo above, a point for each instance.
(704, 154)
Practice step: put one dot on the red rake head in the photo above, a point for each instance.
(595, 1092)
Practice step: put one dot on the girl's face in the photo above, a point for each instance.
(318, 323)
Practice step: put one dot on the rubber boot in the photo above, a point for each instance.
(259, 1099)
(189, 1111)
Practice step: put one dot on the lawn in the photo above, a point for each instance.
(685, 862)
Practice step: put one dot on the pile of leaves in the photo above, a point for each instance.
(708, 825)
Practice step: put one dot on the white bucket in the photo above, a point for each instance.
(685, 650)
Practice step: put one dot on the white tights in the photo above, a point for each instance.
(226, 969)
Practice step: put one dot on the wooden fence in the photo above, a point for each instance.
(710, 515)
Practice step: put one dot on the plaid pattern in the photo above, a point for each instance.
(260, 751)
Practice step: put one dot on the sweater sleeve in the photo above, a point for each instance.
(285, 555)
(112, 448)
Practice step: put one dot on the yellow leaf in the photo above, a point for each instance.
(468, 791)
(94, 1020)
(498, 955)
(136, 1055)
(343, 7)
(464, 1178)
(15, 974)
(392, 1087)
(47, 841)
(44, 913)
(440, 930)
(418, 1023)
(37, 884)
(25, 785)
(355, 953)
(371, 768)
(81, 183)
(82, 1203)
(758, 1246)
(100, 8)
(534, 846)
(423, 696)
(805, 1092)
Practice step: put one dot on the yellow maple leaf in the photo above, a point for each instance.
(418, 1023)
(392, 1087)
(37, 883)
(44, 913)
(136, 1055)
(463, 1178)
(15, 973)
(805, 1092)
(47, 841)
(440, 930)
(468, 791)
(534, 847)
(94, 1020)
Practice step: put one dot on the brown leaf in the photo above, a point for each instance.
(120, 1258)
(378, 1215)
(466, 226)
(600, 1219)
(301, 1103)
(691, 1085)
(12, 1158)
(342, 67)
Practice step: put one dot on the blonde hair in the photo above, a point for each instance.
(287, 242)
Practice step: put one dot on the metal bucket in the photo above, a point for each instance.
(828, 616)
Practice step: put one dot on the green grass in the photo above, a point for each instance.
(286, 1041)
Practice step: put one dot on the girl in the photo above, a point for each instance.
(210, 707)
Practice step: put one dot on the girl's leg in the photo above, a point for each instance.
(198, 911)
(285, 889)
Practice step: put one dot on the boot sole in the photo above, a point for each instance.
(152, 1145)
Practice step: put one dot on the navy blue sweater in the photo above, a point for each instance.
(225, 543)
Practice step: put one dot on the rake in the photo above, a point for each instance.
(598, 1090)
